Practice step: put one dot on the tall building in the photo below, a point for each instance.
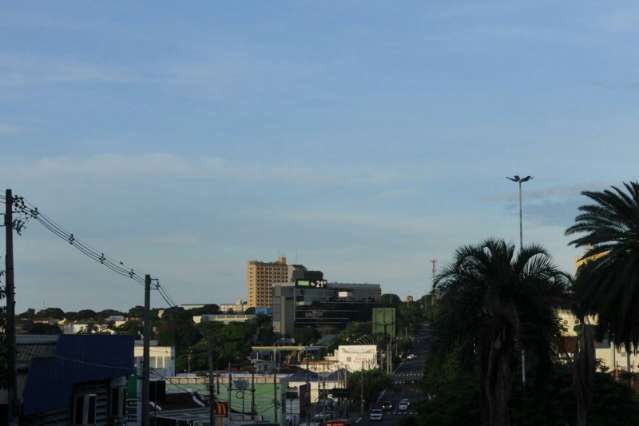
(324, 306)
(260, 277)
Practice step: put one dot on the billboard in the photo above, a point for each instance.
(384, 321)
(311, 284)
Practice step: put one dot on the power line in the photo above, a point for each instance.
(30, 211)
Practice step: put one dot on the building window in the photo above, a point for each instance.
(84, 409)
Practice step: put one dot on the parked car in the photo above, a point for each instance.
(386, 405)
(376, 415)
(403, 405)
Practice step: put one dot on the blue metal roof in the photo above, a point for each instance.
(77, 359)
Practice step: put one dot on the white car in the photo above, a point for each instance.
(376, 415)
(411, 356)
(403, 405)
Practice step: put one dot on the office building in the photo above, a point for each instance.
(260, 279)
(327, 307)
(262, 275)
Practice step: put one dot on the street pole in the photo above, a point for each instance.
(12, 387)
(145, 354)
(361, 392)
(211, 388)
(230, 389)
(521, 220)
(253, 394)
(275, 395)
(308, 404)
(520, 181)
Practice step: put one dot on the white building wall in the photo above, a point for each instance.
(162, 359)
(356, 357)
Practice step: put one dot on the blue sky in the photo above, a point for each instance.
(362, 138)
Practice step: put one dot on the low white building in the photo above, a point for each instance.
(223, 318)
(238, 307)
(161, 358)
(355, 357)
(610, 357)
(77, 328)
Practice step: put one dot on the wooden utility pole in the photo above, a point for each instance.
(211, 389)
(145, 355)
(12, 406)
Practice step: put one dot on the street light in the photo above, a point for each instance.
(519, 180)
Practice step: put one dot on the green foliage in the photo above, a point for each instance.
(40, 328)
(608, 283)
(131, 328)
(454, 398)
(176, 328)
(206, 310)
(136, 311)
(230, 343)
(491, 301)
(410, 317)
(452, 391)
(56, 313)
(28, 314)
(105, 313)
(374, 382)
(86, 314)
(390, 300)
(306, 335)
(352, 334)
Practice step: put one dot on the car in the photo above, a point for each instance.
(411, 357)
(403, 405)
(376, 415)
(386, 405)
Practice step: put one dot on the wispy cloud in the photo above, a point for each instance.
(19, 71)
(120, 166)
(8, 129)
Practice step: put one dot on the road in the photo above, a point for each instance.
(406, 379)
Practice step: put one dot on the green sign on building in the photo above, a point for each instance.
(384, 321)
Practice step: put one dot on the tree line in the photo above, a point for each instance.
(495, 305)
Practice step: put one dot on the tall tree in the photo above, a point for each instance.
(608, 229)
(493, 302)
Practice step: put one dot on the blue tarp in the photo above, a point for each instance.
(78, 359)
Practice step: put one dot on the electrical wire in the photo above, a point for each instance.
(119, 267)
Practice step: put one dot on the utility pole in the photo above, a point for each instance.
(145, 355)
(253, 393)
(12, 387)
(211, 389)
(308, 386)
(361, 392)
(275, 395)
(230, 389)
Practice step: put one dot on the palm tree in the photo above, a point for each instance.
(494, 301)
(609, 230)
